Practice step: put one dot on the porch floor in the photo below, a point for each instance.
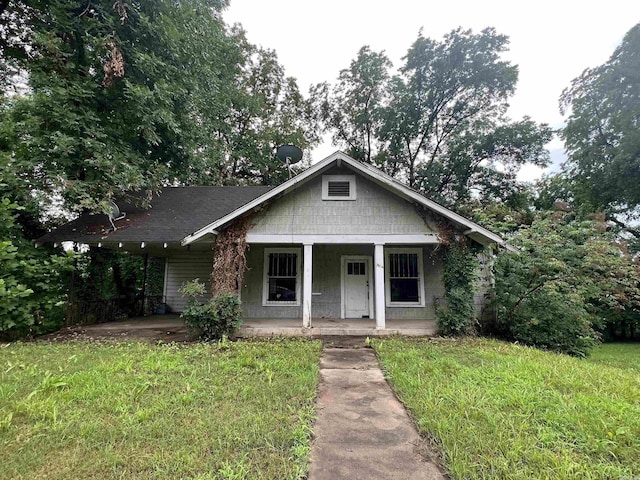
(292, 327)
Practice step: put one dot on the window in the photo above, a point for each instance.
(404, 278)
(281, 276)
(338, 187)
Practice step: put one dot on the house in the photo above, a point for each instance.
(341, 240)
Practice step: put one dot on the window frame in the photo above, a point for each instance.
(326, 179)
(387, 277)
(265, 278)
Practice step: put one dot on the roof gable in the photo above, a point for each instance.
(470, 228)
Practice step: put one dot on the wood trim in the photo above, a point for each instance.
(421, 238)
(265, 277)
(343, 261)
(387, 283)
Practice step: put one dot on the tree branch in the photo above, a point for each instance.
(633, 231)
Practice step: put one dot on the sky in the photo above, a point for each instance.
(552, 42)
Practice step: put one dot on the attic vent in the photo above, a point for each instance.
(339, 187)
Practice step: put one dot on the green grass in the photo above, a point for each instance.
(621, 355)
(501, 411)
(133, 410)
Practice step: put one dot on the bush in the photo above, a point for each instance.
(32, 281)
(456, 315)
(220, 317)
(567, 278)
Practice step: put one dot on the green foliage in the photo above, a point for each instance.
(32, 281)
(506, 412)
(134, 95)
(105, 274)
(439, 124)
(220, 317)
(457, 315)
(602, 138)
(566, 278)
(157, 411)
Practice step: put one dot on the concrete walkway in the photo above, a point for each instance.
(362, 430)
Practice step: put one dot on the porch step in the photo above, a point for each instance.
(279, 331)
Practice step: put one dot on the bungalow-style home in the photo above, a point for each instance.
(341, 240)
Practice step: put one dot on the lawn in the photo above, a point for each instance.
(621, 355)
(500, 411)
(134, 410)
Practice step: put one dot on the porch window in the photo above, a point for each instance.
(281, 276)
(404, 277)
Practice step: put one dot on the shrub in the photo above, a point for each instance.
(220, 317)
(567, 278)
(456, 315)
(32, 281)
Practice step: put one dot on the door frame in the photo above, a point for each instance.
(343, 264)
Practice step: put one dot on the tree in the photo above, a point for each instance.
(440, 124)
(136, 95)
(567, 280)
(353, 108)
(267, 110)
(31, 281)
(602, 134)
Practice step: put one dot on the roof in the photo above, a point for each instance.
(469, 228)
(175, 213)
(187, 214)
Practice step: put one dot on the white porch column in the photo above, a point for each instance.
(378, 260)
(306, 285)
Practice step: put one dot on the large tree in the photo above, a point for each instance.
(602, 135)
(135, 95)
(440, 123)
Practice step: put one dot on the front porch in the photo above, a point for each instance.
(291, 327)
(171, 328)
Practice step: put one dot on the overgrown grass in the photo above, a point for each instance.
(501, 411)
(621, 355)
(133, 410)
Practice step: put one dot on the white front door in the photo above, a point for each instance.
(356, 280)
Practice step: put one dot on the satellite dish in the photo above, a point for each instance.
(289, 154)
(114, 214)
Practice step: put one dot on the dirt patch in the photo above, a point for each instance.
(150, 329)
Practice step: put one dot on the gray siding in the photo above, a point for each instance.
(182, 267)
(327, 283)
(375, 211)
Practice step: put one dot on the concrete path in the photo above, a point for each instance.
(362, 430)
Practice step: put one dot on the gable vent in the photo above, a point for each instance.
(339, 189)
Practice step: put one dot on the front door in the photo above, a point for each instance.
(355, 287)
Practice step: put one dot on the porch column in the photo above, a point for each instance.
(378, 260)
(306, 285)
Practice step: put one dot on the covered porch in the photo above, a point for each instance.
(342, 285)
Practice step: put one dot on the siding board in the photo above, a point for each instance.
(183, 267)
(375, 211)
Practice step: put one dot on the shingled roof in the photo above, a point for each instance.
(175, 213)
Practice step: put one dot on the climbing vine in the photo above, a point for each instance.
(230, 258)
(456, 315)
